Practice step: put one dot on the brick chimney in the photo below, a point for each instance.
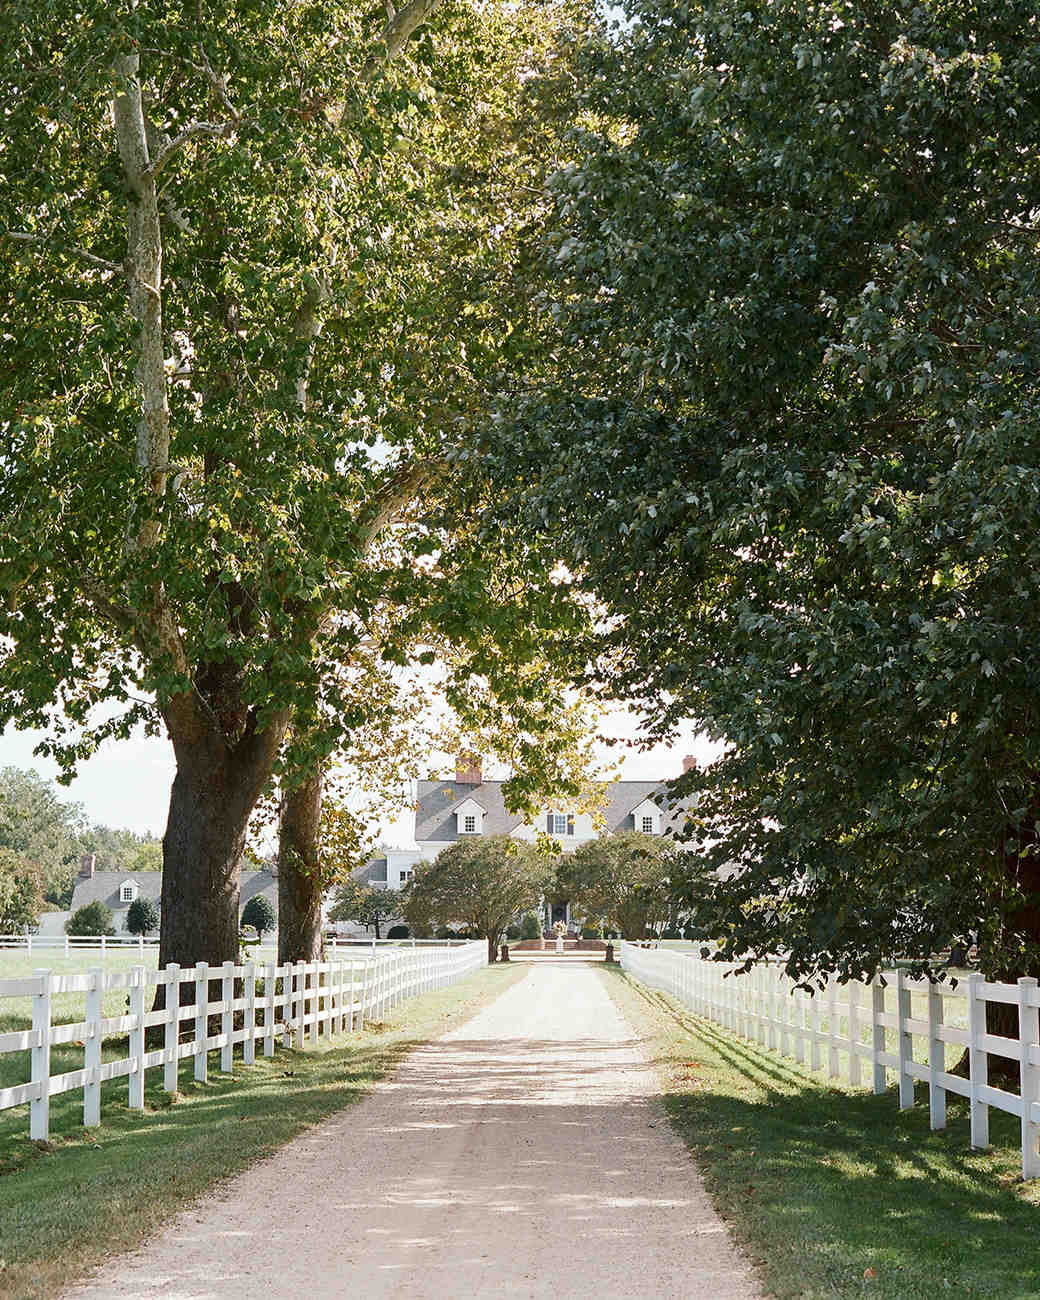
(86, 866)
(689, 763)
(467, 770)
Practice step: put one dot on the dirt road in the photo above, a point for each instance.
(522, 1155)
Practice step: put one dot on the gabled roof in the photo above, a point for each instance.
(438, 802)
(105, 886)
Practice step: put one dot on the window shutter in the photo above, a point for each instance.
(549, 824)
(570, 823)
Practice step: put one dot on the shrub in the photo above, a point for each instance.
(671, 933)
(397, 932)
(95, 918)
(512, 932)
(530, 927)
(592, 929)
(444, 933)
(142, 916)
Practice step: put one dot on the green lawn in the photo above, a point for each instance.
(835, 1192)
(89, 1193)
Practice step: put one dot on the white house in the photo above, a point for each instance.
(448, 811)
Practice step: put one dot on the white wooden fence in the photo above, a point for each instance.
(848, 1024)
(294, 1003)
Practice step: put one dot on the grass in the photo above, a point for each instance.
(89, 1193)
(834, 1192)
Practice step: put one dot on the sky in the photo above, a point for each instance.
(127, 783)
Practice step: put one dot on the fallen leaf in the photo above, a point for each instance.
(870, 1274)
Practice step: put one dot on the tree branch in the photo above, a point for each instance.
(42, 241)
(401, 23)
(216, 130)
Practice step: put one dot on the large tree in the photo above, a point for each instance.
(795, 452)
(222, 377)
(481, 883)
(41, 829)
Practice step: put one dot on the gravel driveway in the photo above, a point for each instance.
(521, 1155)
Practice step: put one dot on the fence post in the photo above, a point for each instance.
(227, 1017)
(92, 1051)
(102, 945)
(287, 1004)
(877, 1033)
(815, 1057)
(906, 1041)
(40, 1107)
(855, 1076)
(270, 980)
(66, 945)
(833, 1025)
(978, 1060)
(1029, 1047)
(201, 1021)
(135, 1082)
(936, 1060)
(172, 1027)
(249, 1042)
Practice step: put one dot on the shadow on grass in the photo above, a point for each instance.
(834, 1191)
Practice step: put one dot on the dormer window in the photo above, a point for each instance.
(560, 823)
(127, 891)
(469, 817)
(646, 817)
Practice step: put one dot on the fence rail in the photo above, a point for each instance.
(256, 1003)
(129, 942)
(854, 1025)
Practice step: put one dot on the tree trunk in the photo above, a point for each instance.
(217, 784)
(492, 948)
(300, 879)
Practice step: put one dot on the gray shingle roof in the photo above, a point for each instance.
(104, 885)
(372, 873)
(435, 819)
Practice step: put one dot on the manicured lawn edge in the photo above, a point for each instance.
(89, 1194)
(831, 1191)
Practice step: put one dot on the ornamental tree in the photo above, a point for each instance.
(795, 272)
(480, 883)
(365, 905)
(622, 879)
(226, 376)
(142, 916)
(260, 914)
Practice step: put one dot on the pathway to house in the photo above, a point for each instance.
(521, 1155)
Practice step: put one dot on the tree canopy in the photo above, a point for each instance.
(481, 883)
(250, 294)
(622, 879)
(794, 452)
(21, 892)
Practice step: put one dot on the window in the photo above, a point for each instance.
(560, 824)
(405, 877)
(648, 825)
(469, 825)
(127, 893)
